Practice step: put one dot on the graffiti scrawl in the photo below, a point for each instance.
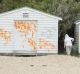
(5, 35)
(27, 28)
(43, 44)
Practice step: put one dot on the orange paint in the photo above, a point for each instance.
(45, 44)
(21, 26)
(40, 46)
(41, 40)
(32, 34)
(31, 27)
(26, 28)
(5, 35)
(32, 43)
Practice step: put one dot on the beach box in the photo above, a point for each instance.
(26, 30)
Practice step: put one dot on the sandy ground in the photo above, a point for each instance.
(50, 64)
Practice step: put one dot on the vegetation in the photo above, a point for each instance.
(69, 10)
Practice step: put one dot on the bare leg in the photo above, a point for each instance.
(68, 50)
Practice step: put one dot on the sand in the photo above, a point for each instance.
(50, 64)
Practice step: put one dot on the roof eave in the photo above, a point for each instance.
(51, 16)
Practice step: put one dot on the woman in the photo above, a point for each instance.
(68, 44)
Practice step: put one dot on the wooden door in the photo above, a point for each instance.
(25, 35)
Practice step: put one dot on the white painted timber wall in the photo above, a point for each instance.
(44, 22)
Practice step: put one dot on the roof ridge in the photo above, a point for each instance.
(31, 9)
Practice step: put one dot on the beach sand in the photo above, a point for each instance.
(50, 64)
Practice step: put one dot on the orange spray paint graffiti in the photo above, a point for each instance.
(21, 27)
(45, 44)
(32, 43)
(5, 35)
(26, 28)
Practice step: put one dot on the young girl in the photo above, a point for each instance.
(68, 44)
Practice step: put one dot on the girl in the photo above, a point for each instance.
(68, 44)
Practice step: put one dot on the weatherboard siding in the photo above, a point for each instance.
(77, 34)
(45, 37)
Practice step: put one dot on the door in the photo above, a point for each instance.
(25, 35)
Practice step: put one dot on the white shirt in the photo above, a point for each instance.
(68, 41)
